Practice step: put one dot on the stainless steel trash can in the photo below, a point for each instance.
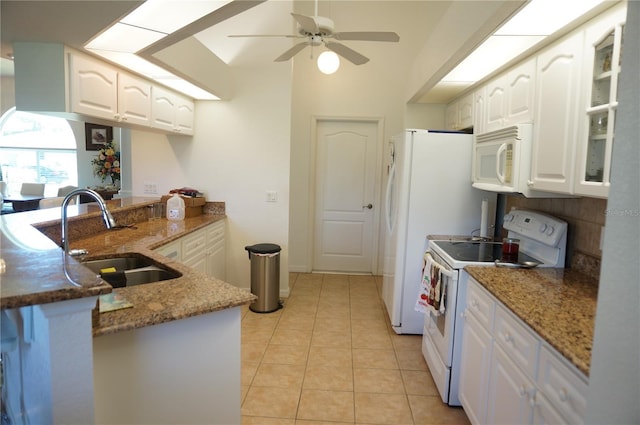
(265, 277)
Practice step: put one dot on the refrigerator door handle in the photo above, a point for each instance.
(387, 202)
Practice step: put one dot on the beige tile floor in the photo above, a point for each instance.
(329, 357)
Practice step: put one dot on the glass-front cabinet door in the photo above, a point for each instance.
(603, 60)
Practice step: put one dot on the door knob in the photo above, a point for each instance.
(369, 206)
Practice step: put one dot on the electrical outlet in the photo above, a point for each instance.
(150, 188)
(272, 196)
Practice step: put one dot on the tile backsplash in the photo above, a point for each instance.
(586, 218)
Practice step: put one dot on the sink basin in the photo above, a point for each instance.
(119, 263)
(139, 276)
(130, 270)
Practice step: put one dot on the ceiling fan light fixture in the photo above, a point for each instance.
(328, 62)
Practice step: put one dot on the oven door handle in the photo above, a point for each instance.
(443, 270)
(445, 283)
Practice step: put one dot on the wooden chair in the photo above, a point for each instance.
(35, 189)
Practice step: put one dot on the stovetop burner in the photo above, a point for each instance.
(476, 251)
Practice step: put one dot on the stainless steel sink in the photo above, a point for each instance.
(130, 270)
(140, 276)
(119, 263)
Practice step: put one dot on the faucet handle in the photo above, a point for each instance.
(78, 252)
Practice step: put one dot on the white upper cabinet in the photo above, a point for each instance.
(459, 113)
(134, 100)
(479, 110)
(510, 97)
(101, 91)
(521, 85)
(93, 87)
(556, 115)
(172, 112)
(52, 78)
(602, 64)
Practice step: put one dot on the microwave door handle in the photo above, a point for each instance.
(499, 172)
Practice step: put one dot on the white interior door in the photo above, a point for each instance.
(345, 196)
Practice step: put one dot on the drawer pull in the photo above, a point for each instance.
(474, 304)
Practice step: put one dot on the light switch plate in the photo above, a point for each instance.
(272, 196)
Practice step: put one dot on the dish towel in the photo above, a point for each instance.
(432, 292)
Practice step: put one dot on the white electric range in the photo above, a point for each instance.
(543, 240)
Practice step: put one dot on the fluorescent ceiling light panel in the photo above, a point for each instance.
(491, 55)
(544, 17)
(148, 23)
(144, 67)
(187, 88)
(169, 16)
(538, 19)
(125, 38)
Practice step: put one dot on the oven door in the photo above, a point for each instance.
(439, 328)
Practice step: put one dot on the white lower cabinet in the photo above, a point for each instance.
(474, 372)
(509, 375)
(216, 251)
(202, 250)
(511, 392)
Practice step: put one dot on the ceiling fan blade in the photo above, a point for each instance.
(307, 23)
(266, 35)
(291, 52)
(367, 36)
(347, 53)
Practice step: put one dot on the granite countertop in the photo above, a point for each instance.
(38, 272)
(558, 304)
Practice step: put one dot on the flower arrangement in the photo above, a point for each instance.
(107, 163)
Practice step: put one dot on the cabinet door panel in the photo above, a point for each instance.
(520, 93)
(510, 392)
(555, 123)
(474, 372)
(496, 103)
(134, 100)
(94, 88)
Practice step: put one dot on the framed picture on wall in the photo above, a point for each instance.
(96, 136)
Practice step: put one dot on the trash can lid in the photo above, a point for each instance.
(263, 248)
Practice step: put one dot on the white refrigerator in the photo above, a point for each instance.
(428, 192)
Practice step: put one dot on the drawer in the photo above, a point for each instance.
(171, 250)
(215, 232)
(519, 343)
(193, 244)
(480, 304)
(564, 387)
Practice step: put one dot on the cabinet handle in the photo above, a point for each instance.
(507, 337)
(474, 304)
(563, 395)
(523, 390)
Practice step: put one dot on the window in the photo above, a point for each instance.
(37, 148)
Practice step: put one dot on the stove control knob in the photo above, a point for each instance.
(548, 230)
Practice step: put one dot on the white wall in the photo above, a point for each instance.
(240, 150)
(375, 89)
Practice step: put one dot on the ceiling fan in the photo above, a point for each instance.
(318, 30)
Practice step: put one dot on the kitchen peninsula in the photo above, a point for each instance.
(173, 356)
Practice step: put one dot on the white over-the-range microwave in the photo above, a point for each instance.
(502, 161)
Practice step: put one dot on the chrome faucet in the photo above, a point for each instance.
(108, 219)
